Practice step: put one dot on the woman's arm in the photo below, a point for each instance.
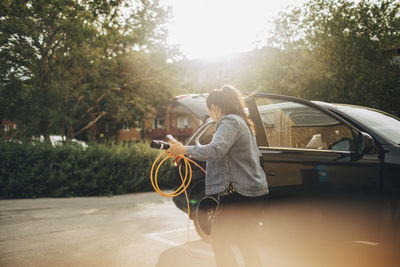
(228, 131)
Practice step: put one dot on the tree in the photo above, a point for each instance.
(61, 61)
(340, 51)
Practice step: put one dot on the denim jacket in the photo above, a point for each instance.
(232, 157)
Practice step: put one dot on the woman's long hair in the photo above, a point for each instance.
(229, 99)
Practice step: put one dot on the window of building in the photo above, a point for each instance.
(139, 125)
(183, 122)
(125, 127)
(158, 124)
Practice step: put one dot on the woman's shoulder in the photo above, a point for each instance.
(232, 119)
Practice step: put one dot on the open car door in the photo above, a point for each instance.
(307, 148)
(319, 169)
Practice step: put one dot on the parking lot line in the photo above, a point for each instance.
(160, 236)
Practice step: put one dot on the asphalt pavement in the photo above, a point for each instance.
(146, 229)
(142, 229)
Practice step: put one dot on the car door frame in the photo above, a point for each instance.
(302, 155)
(256, 116)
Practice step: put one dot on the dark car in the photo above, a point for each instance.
(327, 165)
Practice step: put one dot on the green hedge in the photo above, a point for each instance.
(38, 170)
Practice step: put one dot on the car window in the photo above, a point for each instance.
(207, 135)
(383, 123)
(293, 125)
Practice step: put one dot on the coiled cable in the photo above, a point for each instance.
(185, 180)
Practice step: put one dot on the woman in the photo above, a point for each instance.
(234, 174)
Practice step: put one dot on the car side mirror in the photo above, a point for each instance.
(365, 143)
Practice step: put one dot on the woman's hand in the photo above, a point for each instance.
(176, 148)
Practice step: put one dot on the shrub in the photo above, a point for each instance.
(40, 170)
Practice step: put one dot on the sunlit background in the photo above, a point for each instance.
(215, 28)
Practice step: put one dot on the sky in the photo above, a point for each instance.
(215, 28)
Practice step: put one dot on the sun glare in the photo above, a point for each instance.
(214, 28)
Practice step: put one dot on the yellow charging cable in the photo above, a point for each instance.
(185, 181)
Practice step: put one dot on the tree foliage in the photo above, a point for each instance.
(67, 65)
(336, 51)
